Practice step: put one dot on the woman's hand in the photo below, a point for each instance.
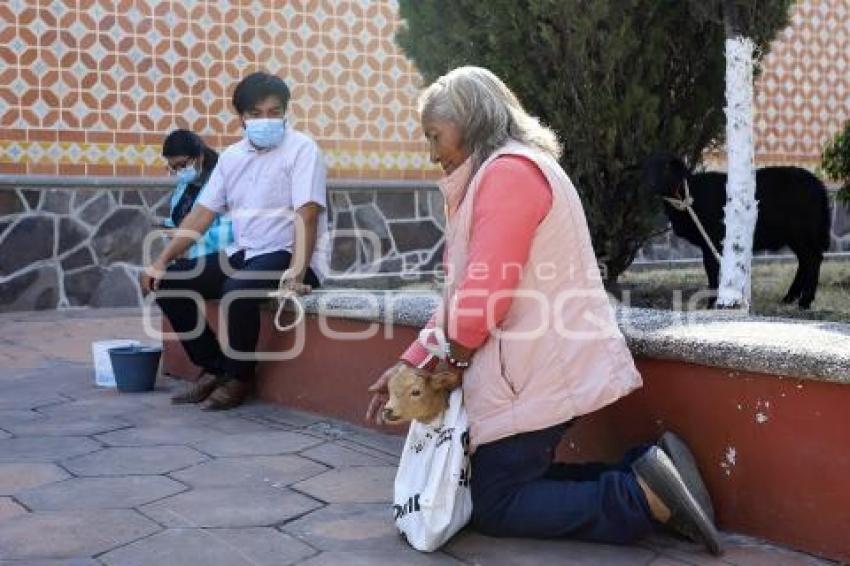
(381, 394)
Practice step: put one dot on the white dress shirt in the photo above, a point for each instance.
(262, 189)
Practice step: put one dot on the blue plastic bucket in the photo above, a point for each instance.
(135, 367)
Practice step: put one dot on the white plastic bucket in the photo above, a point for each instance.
(103, 375)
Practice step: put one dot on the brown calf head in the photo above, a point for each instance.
(417, 394)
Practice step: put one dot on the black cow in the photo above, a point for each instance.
(793, 212)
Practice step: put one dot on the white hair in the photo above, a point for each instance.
(487, 113)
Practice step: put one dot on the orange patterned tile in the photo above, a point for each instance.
(116, 67)
(72, 169)
(12, 168)
(40, 168)
(96, 170)
(39, 135)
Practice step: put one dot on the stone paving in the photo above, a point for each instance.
(89, 476)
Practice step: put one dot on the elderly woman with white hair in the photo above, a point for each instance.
(532, 337)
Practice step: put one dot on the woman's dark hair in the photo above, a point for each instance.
(186, 142)
(255, 88)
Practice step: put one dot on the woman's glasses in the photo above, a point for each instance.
(176, 166)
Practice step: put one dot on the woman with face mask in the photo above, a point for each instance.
(190, 162)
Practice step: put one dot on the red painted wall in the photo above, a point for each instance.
(775, 451)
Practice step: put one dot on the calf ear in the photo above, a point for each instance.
(444, 380)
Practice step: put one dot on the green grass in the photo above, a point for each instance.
(658, 287)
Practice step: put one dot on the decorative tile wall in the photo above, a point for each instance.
(89, 87)
(803, 94)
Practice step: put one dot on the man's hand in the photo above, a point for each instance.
(381, 394)
(295, 286)
(151, 277)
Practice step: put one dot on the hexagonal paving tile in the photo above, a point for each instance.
(174, 416)
(157, 436)
(258, 444)
(60, 534)
(99, 493)
(280, 415)
(26, 396)
(58, 562)
(338, 456)
(238, 425)
(9, 509)
(740, 550)
(65, 426)
(743, 551)
(230, 507)
(366, 484)
(11, 416)
(352, 526)
(254, 471)
(106, 404)
(134, 461)
(44, 449)
(408, 557)
(17, 477)
(478, 549)
(212, 547)
(388, 443)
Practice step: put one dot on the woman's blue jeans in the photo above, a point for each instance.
(517, 491)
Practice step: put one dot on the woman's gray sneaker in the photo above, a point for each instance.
(686, 465)
(686, 515)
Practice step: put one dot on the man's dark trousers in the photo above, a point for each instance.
(216, 276)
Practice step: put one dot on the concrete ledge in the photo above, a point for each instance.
(792, 348)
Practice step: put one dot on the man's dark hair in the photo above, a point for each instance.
(255, 88)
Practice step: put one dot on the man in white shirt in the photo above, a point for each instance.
(272, 184)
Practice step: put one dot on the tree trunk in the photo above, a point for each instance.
(741, 209)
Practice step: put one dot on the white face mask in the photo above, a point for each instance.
(265, 133)
(187, 174)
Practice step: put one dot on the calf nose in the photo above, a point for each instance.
(389, 415)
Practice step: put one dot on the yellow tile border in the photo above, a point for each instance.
(50, 153)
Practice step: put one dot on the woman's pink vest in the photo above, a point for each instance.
(559, 353)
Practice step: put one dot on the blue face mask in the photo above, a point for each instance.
(187, 175)
(265, 133)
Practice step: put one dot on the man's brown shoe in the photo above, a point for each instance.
(197, 391)
(228, 395)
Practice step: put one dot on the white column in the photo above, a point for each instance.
(741, 208)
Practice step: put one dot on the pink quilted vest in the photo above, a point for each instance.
(559, 353)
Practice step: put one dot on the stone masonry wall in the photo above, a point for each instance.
(77, 247)
(82, 246)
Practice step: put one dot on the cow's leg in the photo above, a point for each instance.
(796, 288)
(712, 271)
(810, 279)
